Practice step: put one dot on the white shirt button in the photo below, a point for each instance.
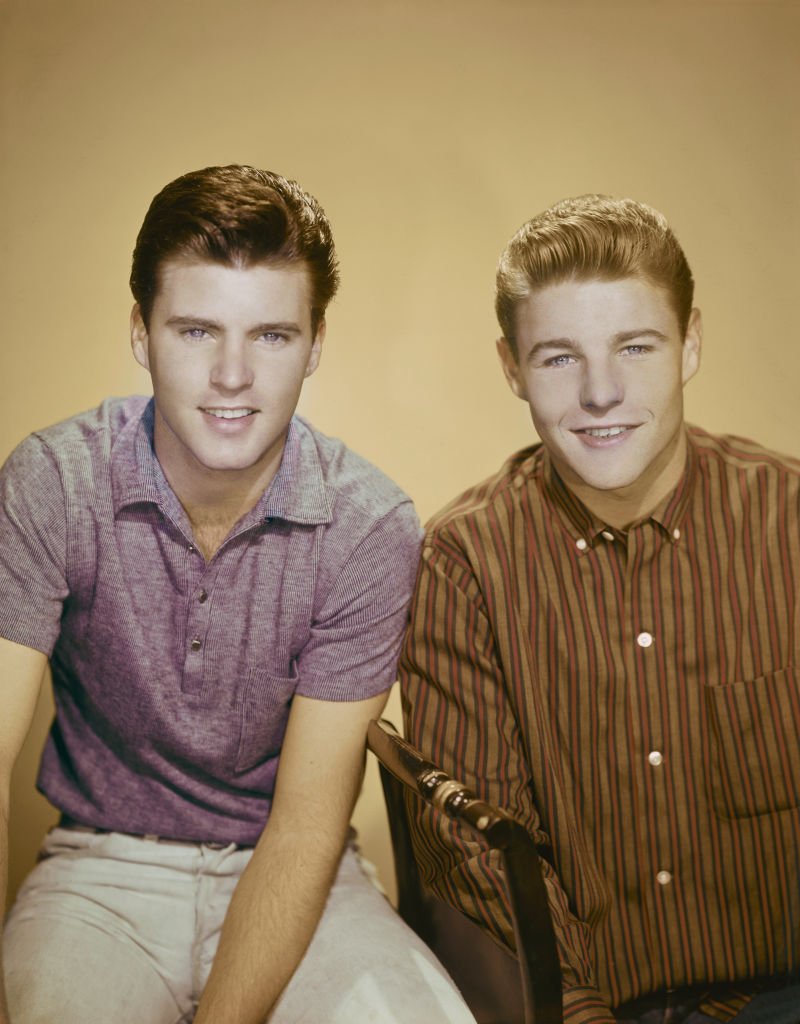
(644, 639)
(676, 533)
(581, 544)
(608, 534)
(655, 757)
(664, 877)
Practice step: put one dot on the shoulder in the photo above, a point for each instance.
(71, 448)
(482, 502)
(107, 419)
(352, 484)
(369, 524)
(742, 456)
(87, 430)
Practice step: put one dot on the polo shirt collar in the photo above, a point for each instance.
(581, 523)
(133, 477)
(297, 493)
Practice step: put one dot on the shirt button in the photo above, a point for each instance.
(644, 639)
(196, 644)
(676, 533)
(655, 757)
(191, 549)
(607, 534)
(202, 597)
(664, 877)
(581, 544)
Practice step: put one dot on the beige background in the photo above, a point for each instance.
(429, 130)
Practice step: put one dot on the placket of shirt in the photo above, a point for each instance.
(647, 594)
(201, 580)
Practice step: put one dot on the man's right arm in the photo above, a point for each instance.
(21, 672)
(457, 710)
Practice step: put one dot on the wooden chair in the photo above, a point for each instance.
(498, 987)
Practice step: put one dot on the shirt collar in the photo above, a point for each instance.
(297, 492)
(133, 462)
(584, 525)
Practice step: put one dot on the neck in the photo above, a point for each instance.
(213, 517)
(624, 506)
(214, 499)
(617, 510)
(210, 530)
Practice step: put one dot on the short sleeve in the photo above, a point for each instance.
(33, 583)
(352, 650)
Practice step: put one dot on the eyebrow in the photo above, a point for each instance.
(285, 326)
(569, 345)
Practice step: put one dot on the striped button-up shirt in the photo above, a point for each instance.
(633, 698)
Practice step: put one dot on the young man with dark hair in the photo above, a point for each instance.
(604, 640)
(207, 574)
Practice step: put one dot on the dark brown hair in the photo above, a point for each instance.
(236, 215)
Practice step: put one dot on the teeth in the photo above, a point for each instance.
(229, 414)
(606, 431)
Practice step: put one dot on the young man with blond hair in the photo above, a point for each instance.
(207, 574)
(604, 640)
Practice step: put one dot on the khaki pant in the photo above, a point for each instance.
(115, 929)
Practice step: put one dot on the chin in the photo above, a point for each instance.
(605, 482)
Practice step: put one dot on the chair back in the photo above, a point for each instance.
(498, 987)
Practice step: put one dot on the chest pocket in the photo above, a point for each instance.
(754, 744)
(263, 711)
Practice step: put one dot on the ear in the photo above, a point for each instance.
(510, 364)
(692, 345)
(140, 340)
(316, 349)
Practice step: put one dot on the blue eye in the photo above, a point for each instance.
(562, 360)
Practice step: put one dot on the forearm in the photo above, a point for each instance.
(475, 886)
(282, 893)
(457, 702)
(270, 922)
(21, 671)
(3, 892)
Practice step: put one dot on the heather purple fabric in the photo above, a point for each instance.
(173, 677)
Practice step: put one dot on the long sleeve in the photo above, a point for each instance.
(459, 711)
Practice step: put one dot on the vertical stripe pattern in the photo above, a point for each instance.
(633, 698)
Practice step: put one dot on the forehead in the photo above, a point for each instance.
(578, 309)
(207, 285)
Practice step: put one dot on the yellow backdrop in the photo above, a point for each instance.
(429, 130)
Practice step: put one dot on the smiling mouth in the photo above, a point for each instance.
(604, 431)
(605, 437)
(229, 414)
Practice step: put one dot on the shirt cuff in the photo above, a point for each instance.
(585, 1005)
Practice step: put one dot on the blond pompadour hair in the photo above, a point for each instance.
(592, 236)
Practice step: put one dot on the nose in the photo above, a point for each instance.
(231, 370)
(601, 386)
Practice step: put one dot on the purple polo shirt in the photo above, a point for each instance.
(173, 677)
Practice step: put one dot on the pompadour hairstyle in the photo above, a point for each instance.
(592, 236)
(235, 215)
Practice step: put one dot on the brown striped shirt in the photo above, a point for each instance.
(633, 698)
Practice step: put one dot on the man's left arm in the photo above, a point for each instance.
(281, 895)
(345, 671)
